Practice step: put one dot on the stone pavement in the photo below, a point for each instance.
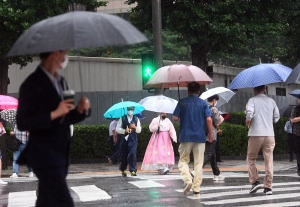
(105, 168)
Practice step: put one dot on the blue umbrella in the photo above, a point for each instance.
(261, 74)
(120, 109)
(295, 93)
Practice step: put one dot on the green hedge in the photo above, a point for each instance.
(91, 141)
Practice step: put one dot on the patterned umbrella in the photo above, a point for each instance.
(9, 115)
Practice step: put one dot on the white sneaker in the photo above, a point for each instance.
(14, 175)
(30, 174)
(219, 178)
(2, 182)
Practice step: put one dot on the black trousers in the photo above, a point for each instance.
(297, 150)
(210, 156)
(218, 154)
(52, 188)
(290, 141)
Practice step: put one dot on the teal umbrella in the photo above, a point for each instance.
(120, 109)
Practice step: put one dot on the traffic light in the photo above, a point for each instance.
(147, 67)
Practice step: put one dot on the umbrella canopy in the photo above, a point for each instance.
(8, 102)
(9, 115)
(225, 94)
(295, 93)
(177, 75)
(286, 111)
(261, 74)
(294, 77)
(120, 109)
(75, 30)
(159, 103)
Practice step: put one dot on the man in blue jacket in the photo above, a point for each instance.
(193, 112)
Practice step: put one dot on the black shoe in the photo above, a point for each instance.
(166, 172)
(268, 191)
(219, 161)
(256, 186)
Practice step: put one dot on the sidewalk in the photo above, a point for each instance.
(105, 168)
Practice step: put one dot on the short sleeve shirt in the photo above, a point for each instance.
(215, 120)
(192, 112)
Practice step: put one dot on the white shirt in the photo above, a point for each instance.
(112, 127)
(120, 130)
(262, 111)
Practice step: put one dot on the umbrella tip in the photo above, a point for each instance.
(121, 100)
(259, 60)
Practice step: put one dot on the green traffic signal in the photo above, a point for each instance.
(147, 67)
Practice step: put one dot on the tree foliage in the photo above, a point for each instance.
(219, 28)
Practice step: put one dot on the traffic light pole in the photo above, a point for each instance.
(157, 37)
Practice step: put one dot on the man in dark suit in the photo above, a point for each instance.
(43, 112)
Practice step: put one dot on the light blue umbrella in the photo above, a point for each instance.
(295, 93)
(261, 74)
(120, 109)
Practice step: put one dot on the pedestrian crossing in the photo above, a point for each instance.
(212, 194)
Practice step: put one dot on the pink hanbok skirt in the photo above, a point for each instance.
(159, 153)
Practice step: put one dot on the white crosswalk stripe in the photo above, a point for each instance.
(217, 194)
(22, 199)
(147, 184)
(90, 193)
(251, 199)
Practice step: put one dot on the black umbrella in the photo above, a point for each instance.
(294, 77)
(286, 111)
(76, 30)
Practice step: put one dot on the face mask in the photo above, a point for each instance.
(130, 112)
(64, 64)
(216, 103)
(163, 117)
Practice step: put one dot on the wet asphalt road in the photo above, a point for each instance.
(150, 189)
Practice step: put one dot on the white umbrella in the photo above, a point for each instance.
(225, 94)
(159, 103)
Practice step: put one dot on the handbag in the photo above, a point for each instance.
(13, 143)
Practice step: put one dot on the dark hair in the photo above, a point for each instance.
(44, 55)
(259, 89)
(214, 97)
(194, 87)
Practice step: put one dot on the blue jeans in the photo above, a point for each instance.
(16, 156)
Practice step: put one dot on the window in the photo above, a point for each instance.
(209, 71)
(280, 92)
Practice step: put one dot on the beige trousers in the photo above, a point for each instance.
(185, 149)
(266, 144)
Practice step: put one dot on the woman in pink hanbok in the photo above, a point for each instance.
(159, 154)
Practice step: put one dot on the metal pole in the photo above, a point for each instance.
(157, 37)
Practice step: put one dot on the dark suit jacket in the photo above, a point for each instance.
(49, 141)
